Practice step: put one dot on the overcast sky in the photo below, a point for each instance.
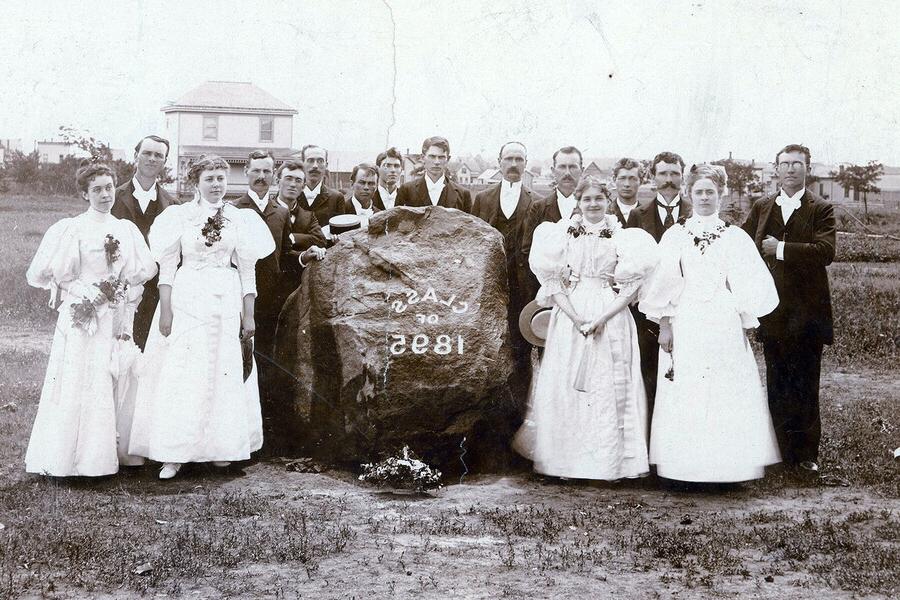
(613, 78)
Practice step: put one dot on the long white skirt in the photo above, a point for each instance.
(74, 431)
(192, 403)
(712, 422)
(600, 433)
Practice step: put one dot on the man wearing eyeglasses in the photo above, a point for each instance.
(794, 230)
(435, 188)
(140, 201)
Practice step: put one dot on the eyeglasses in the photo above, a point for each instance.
(795, 164)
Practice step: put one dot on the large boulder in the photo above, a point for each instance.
(400, 337)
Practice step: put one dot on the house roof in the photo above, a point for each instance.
(236, 154)
(488, 174)
(229, 96)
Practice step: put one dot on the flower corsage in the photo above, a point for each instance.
(212, 230)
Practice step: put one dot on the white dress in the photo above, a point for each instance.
(74, 431)
(600, 430)
(192, 402)
(711, 422)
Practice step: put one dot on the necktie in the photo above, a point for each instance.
(669, 221)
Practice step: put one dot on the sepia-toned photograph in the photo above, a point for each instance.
(478, 299)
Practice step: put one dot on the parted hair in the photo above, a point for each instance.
(257, 154)
(626, 164)
(206, 162)
(88, 171)
(666, 157)
(714, 173)
(438, 141)
(390, 152)
(307, 147)
(366, 168)
(569, 150)
(290, 165)
(794, 148)
(155, 138)
(503, 147)
(591, 181)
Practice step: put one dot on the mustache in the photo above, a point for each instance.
(260, 180)
(668, 184)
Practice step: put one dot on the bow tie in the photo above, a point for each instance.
(786, 202)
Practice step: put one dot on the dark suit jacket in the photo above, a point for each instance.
(415, 193)
(327, 204)
(126, 206)
(804, 296)
(349, 209)
(646, 216)
(304, 228)
(486, 206)
(283, 262)
(615, 210)
(379, 203)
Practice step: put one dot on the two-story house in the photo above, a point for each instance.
(230, 119)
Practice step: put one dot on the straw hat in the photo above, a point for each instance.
(533, 323)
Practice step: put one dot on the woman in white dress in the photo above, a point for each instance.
(193, 404)
(95, 266)
(589, 408)
(711, 421)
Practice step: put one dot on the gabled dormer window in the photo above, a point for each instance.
(266, 129)
(211, 127)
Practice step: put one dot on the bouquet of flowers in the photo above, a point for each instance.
(403, 471)
(212, 230)
(84, 313)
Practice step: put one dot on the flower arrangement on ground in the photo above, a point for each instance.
(402, 471)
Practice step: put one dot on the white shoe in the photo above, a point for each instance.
(169, 470)
(221, 463)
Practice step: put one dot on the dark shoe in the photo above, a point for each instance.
(809, 467)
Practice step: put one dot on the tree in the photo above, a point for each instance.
(742, 178)
(84, 140)
(860, 178)
(23, 168)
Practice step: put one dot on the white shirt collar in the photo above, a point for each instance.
(676, 211)
(144, 197)
(435, 188)
(387, 198)
(260, 203)
(675, 200)
(311, 194)
(509, 196)
(566, 204)
(625, 208)
(794, 198)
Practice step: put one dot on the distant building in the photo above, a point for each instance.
(230, 119)
(54, 151)
(593, 169)
(492, 176)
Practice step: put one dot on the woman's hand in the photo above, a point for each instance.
(595, 327)
(165, 320)
(665, 336)
(248, 327)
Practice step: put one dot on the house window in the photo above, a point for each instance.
(44, 157)
(210, 127)
(266, 129)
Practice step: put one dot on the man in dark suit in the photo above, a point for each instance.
(505, 206)
(283, 263)
(318, 197)
(363, 189)
(390, 165)
(305, 228)
(435, 188)
(655, 218)
(627, 177)
(560, 204)
(795, 233)
(140, 201)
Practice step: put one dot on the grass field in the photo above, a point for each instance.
(265, 531)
